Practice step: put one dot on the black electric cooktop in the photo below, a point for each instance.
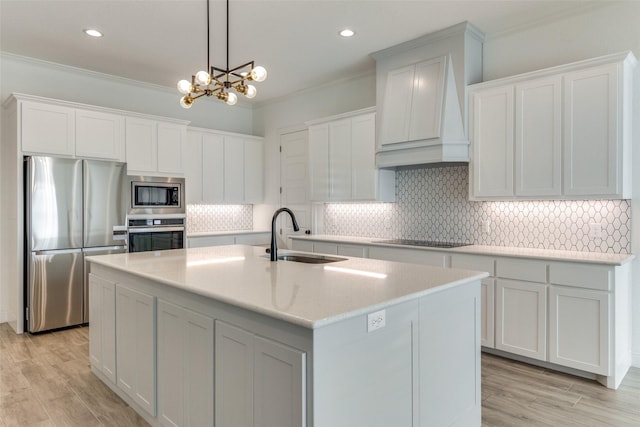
(426, 243)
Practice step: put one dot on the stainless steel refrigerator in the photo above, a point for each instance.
(71, 209)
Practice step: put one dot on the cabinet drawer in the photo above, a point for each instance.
(581, 276)
(199, 242)
(414, 256)
(519, 269)
(302, 245)
(474, 262)
(352, 250)
(325, 248)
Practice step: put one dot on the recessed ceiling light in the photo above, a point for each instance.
(347, 33)
(93, 32)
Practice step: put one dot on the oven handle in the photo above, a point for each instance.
(135, 230)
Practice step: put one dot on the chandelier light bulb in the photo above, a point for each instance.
(184, 87)
(251, 91)
(232, 98)
(258, 74)
(186, 101)
(203, 78)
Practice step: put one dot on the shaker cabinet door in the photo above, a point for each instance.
(592, 132)
(492, 140)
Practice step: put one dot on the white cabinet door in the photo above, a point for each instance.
(193, 167)
(102, 333)
(135, 346)
(492, 142)
(171, 355)
(487, 313)
(259, 382)
(538, 142)
(521, 318)
(233, 376)
(364, 175)
(185, 367)
(47, 129)
(279, 385)
(233, 169)
(427, 100)
(340, 160)
(253, 171)
(396, 108)
(141, 145)
(213, 165)
(592, 132)
(579, 329)
(319, 162)
(170, 151)
(99, 135)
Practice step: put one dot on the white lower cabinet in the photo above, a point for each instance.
(579, 329)
(136, 346)
(102, 334)
(521, 318)
(258, 382)
(185, 366)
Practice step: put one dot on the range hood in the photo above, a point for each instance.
(421, 99)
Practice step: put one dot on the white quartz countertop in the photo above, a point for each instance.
(226, 233)
(506, 251)
(309, 295)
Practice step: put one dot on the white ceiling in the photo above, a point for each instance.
(163, 41)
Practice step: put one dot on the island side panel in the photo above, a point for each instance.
(450, 357)
(366, 378)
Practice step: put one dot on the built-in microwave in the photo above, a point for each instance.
(156, 195)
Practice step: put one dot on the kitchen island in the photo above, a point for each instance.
(193, 336)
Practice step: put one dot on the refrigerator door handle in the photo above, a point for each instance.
(56, 251)
(103, 249)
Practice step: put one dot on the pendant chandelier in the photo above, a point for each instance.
(218, 81)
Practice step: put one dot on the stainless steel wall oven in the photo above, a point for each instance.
(156, 233)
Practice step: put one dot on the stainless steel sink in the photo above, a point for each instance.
(308, 258)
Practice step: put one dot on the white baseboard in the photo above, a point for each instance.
(4, 317)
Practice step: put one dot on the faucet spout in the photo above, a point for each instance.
(274, 245)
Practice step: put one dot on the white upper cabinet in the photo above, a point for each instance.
(593, 132)
(47, 129)
(154, 147)
(492, 135)
(223, 168)
(319, 162)
(538, 142)
(342, 160)
(99, 135)
(150, 145)
(566, 136)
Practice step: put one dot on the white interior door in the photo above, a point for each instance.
(294, 182)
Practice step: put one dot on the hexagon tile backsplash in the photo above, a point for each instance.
(433, 204)
(205, 218)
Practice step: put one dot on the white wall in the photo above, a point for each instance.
(605, 29)
(292, 111)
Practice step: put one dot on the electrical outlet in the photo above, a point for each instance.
(486, 226)
(595, 231)
(376, 320)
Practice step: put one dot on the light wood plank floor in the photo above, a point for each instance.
(45, 380)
